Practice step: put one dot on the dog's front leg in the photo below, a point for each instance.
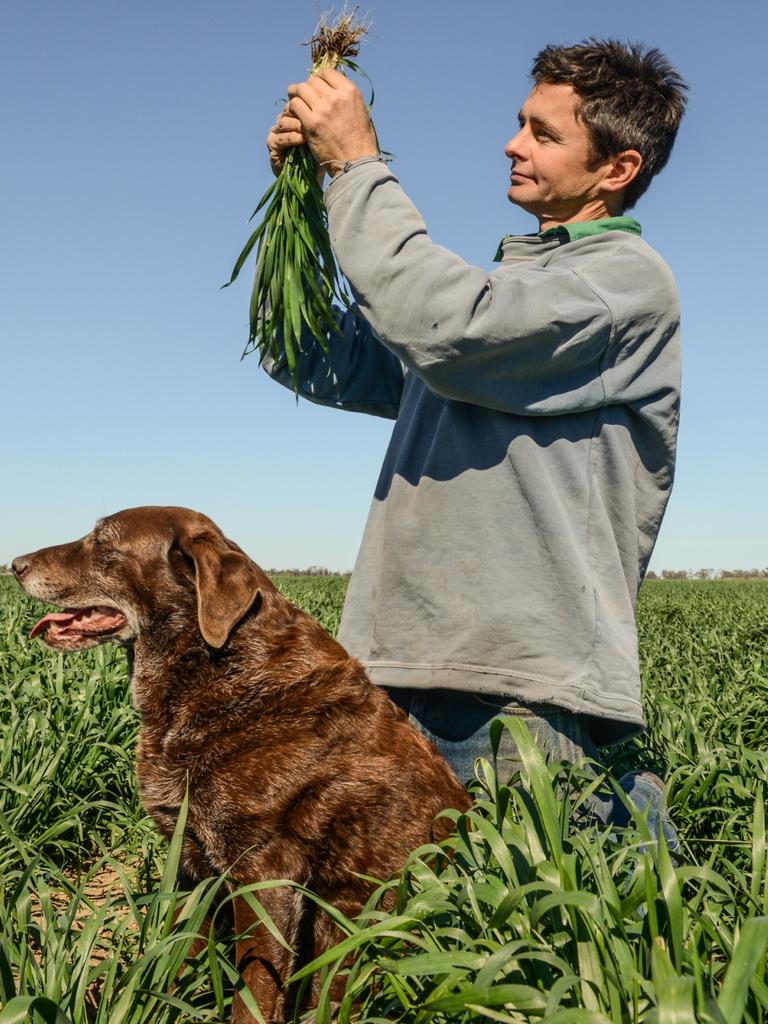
(264, 963)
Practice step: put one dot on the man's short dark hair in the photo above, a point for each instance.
(631, 97)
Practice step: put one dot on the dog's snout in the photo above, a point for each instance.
(20, 566)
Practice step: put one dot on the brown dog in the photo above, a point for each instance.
(298, 767)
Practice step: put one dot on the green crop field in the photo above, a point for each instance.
(521, 916)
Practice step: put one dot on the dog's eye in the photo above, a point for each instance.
(177, 554)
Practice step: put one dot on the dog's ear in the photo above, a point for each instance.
(227, 584)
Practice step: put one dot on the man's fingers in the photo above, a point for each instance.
(287, 123)
(301, 91)
(283, 136)
(333, 116)
(286, 132)
(331, 77)
(318, 84)
(285, 140)
(301, 110)
(314, 86)
(311, 93)
(328, 81)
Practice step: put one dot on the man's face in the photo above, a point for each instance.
(553, 175)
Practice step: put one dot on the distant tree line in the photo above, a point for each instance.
(313, 570)
(708, 574)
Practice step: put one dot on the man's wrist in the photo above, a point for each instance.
(337, 167)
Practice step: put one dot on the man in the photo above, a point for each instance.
(536, 410)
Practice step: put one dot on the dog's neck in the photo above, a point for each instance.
(179, 682)
(165, 667)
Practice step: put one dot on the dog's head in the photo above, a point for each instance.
(140, 567)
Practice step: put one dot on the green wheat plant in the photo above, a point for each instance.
(297, 278)
(99, 949)
(522, 916)
(518, 916)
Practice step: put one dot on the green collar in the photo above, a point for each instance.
(581, 229)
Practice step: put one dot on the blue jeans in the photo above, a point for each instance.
(457, 722)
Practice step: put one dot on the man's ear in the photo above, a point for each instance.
(621, 170)
(227, 584)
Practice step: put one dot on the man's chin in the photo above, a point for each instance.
(516, 195)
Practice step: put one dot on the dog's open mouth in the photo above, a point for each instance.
(75, 627)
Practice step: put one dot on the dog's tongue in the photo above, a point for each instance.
(52, 617)
(99, 620)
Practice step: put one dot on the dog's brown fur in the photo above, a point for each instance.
(297, 766)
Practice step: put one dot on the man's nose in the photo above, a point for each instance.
(515, 147)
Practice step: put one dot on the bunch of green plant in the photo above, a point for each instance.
(704, 660)
(688, 938)
(297, 278)
(98, 949)
(523, 916)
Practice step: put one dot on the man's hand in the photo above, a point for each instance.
(333, 119)
(285, 133)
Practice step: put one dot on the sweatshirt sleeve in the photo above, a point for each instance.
(530, 340)
(358, 374)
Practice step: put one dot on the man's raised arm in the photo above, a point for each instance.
(357, 373)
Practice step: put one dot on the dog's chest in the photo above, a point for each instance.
(163, 776)
(166, 777)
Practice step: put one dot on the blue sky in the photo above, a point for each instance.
(133, 154)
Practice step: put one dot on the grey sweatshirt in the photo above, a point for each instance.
(531, 460)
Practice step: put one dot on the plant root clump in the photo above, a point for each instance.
(333, 44)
